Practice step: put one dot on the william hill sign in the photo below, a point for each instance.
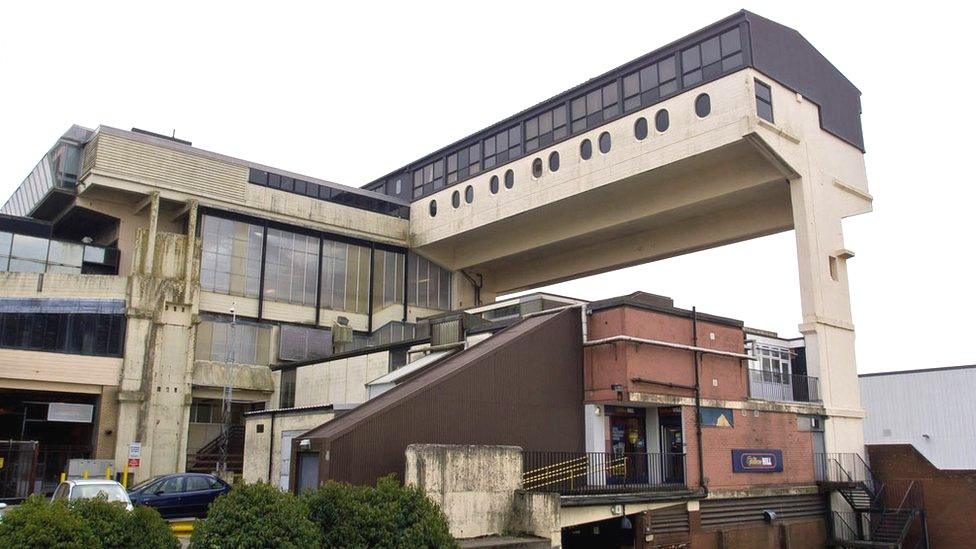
(757, 461)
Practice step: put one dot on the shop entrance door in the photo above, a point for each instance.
(627, 462)
(672, 445)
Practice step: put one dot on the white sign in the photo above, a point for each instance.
(135, 450)
(70, 413)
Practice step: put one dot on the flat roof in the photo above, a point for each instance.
(919, 371)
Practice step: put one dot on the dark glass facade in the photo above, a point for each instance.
(72, 333)
(347, 197)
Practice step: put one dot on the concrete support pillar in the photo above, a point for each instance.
(150, 252)
(827, 326)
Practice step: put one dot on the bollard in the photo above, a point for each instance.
(63, 476)
(84, 474)
(108, 472)
(125, 476)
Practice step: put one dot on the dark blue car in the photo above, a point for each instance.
(180, 495)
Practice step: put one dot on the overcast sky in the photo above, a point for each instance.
(350, 91)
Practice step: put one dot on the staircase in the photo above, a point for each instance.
(206, 459)
(883, 513)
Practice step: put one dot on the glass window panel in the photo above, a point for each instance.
(66, 253)
(710, 51)
(690, 59)
(29, 247)
(5, 240)
(731, 42)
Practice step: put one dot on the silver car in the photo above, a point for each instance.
(71, 490)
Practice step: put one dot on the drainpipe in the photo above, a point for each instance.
(271, 444)
(698, 417)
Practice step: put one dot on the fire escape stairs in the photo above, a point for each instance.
(885, 526)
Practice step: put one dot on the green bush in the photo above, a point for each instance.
(117, 528)
(38, 523)
(256, 516)
(90, 523)
(387, 515)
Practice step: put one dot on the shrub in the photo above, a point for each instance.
(88, 523)
(255, 516)
(387, 515)
(117, 528)
(39, 524)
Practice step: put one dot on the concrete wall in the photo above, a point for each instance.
(340, 381)
(267, 445)
(949, 495)
(476, 487)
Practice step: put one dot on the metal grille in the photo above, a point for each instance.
(723, 512)
(671, 520)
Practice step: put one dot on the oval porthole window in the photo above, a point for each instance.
(703, 105)
(456, 199)
(553, 161)
(640, 129)
(509, 179)
(605, 142)
(586, 149)
(537, 168)
(662, 120)
(493, 184)
(469, 194)
(433, 208)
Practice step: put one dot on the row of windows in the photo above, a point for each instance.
(297, 266)
(718, 55)
(317, 191)
(21, 253)
(662, 121)
(239, 343)
(74, 333)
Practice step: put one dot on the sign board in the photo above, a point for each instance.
(94, 467)
(70, 413)
(135, 453)
(757, 461)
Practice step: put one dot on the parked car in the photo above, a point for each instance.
(180, 495)
(70, 490)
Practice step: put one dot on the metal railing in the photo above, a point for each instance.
(779, 387)
(842, 467)
(843, 525)
(574, 473)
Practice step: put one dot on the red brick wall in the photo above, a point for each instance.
(770, 430)
(950, 496)
(619, 363)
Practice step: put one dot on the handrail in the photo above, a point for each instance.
(851, 533)
(602, 472)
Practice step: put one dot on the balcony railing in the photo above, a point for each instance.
(578, 473)
(779, 387)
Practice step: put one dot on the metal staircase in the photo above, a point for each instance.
(882, 514)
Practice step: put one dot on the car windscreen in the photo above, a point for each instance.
(112, 492)
(145, 483)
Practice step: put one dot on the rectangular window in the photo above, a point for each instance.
(545, 129)
(711, 58)
(764, 101)
(428, 284)
(595, 107)
(717, 417)
(202, 412)
(387, 278)
(251, 341)
(291, 267)
(429, 178)
(345, 277)
(502, 147)
(72, 333)
(231, 259)
(774, 363)
(303, 342)
(287, 399)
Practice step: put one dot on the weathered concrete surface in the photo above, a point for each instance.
(479, 489)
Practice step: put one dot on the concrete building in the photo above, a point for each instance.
(921, 429)
(187, 260)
